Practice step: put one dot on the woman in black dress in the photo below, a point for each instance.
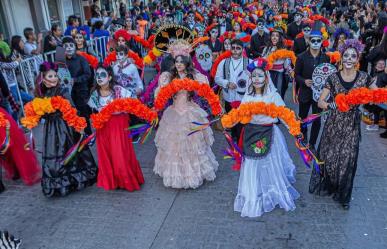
(58, 138)
(339, 146)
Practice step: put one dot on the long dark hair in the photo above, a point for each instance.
(187, 61)
(40, 88)
(112, 83)
(280, 43)
(15, 44)
(251, 89)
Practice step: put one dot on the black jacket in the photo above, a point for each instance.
(305, 66)
(80, 72)
(300, 46)
(257, 44)
(217, 48)
(293, 30)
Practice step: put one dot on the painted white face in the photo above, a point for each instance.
(191, 17)
(101, 77)
(214, 33)
(69, 48)
(297, 17)
(50, 79)
(121, 56)
(315, 42)
(258, 78)
(306, 32)
(350, 58)
(227, 45)
(204, 57)
(260, 26)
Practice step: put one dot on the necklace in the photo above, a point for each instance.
(232, 64)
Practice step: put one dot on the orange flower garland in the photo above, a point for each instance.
(360, 96)
(112, 57)
(126, 105)
(334, 57)
(38, 107)
(222, 56)
(246, 111)
(177, 85)
(282, 54)
(92, 60)
(3, 120)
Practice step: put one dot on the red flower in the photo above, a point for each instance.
(260, 144)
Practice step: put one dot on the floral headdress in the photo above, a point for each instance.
(340, 31)
(180, 47)
(260, 63)
(122, 33)
(351, 43)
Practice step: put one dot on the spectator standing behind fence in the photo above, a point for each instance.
(53, 39)
(7, 101)
(80, 73)
(33, 44)
(101, 43)
(81, 43)
(72, 25)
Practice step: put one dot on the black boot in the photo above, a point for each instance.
(384, 134)
(346, 206)
(2, 188)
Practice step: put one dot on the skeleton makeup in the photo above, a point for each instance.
(101, 77)
(297, 17)
(50, 79)
(69, 49)
(191, 17)
(260, 26)
(214, 33)
(315, 42)
(204, 56)
(350, 58)
(121, 56)
(306, 31)
(227, 44)
(258, 78)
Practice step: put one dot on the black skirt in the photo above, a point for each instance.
(59, 179)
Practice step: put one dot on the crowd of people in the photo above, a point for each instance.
(247, 52)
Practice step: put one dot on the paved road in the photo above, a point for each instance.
(161, 218)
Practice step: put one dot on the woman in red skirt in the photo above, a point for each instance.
(118, 166)
(18, 159)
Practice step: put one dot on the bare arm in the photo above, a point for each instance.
(321, 101)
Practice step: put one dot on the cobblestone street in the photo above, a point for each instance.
(161, 218)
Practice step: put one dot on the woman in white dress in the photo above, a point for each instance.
(267, 173)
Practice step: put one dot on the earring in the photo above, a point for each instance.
(341, 65)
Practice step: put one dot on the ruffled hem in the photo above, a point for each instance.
(66, 184)
(192, 176)
(266, 203)
(182, 161)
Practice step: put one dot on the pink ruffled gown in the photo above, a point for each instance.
(182, 161)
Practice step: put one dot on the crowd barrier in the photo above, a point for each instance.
(27, 70)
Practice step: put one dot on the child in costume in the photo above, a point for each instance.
(182, 161)
(118, 166)
(267, 170)
(58, 138)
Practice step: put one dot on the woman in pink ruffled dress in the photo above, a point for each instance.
(182, 161)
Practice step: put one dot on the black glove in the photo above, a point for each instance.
(332, 106)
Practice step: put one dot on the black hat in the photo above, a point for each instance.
(68, 39)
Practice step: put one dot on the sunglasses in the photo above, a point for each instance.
(78, 37)
(260, 24)
(315, 40)
(236, 48)
(307, 30)
(101, 75)
(214, 31)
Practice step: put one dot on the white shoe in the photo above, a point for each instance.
(373, 127)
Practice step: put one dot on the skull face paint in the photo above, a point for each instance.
(204, 57)
(69, 49)
(350, 58)
(258, 78)
(191, 17)
(101, 77)
(315, 43)
(214, 33)
(50, 79)
(121, 56)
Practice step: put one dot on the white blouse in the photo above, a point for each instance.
(271, 97)
(98, 102)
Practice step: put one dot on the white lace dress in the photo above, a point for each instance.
(182, 161)
(265, 183)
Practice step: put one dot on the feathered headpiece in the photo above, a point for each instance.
(260, 63)
(180, 47)
(168, 34)
(351, 43)
(340, 31)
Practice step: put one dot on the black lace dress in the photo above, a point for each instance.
(58, 138)
(339, 145)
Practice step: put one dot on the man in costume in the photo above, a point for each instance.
(302, 40)
(80, 73)
(295, 27)
(305, 65)
(259, 40)
(227, 78)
